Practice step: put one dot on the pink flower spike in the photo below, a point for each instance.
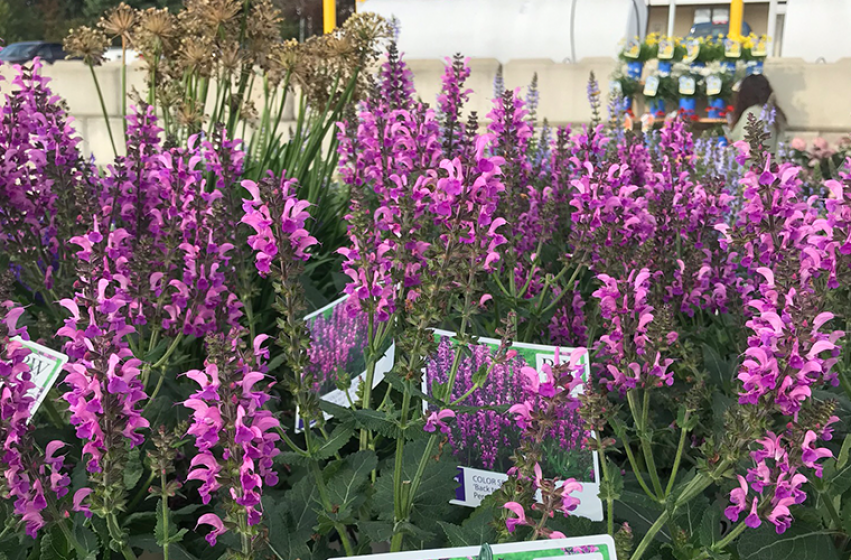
(436, 419)
(512, 523)
(752, 520)
(216, 523)
(78, 504)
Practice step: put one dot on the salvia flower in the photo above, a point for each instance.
(235, 437)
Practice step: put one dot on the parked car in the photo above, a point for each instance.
(709, 29)
(18, 53)
(114, 54)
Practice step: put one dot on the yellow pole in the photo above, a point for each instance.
(329, 15)
(737, 8)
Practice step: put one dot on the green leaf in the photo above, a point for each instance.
(486, 553)
(339, 437)
(283, 540)
(640, 511)
(481, 376)
(300, 503)
(85, 536)
(376, 531)
(149, 544)
(437, 488)
(842, 458)
(54, 545)
(710, 527)
(133, 469)
(345, 487)
(475, 531)
(721, 372)
(799, 542)
(614, 486)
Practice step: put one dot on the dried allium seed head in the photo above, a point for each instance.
(287, 58)
(263, 29)
(189, 116)
(366, 30)
(220, 13)
(157, 27)
(119, 21)
(86, 43)
(248, 112)
(196, 55)
(230, 58)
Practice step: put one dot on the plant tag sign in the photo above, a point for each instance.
(633, 48)
(692, 50)
(686, 85)
(713, 85)
(615, 88)
(666, 49)
(651, 86)
(732, 49)
(45, 365)
(593, 547)
(337, 357)
(483, 441)
(760, 49)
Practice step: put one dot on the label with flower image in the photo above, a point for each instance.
(732, 49)
(651, 86)
(592, 547)
(337, 361)
(633, 48)
(692, 50)
(760, 48)
(666, 49)
(484, 441)
(45, 365)
(713, 85)
(686, 85)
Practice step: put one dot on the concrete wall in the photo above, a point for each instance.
(812, 95)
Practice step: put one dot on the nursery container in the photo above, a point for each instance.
(729, 66)
(656, 105)
(716, 107)
(755, 67)
(634, 69)
(664, 68)
(688, 104)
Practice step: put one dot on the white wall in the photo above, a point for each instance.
(817, 29)
(506, 29)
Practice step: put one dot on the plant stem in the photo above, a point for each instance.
(372, 350)
(697, 485)
(72, 540)
(610, 502)
(164, 500)
(117, 537)
(831, 510)
(103, 109)
(679, 455)
(646, 446)
(730, 537)
(141, 493)
(124, 84)
(326, 503)
(168, 352)
(634, 464)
